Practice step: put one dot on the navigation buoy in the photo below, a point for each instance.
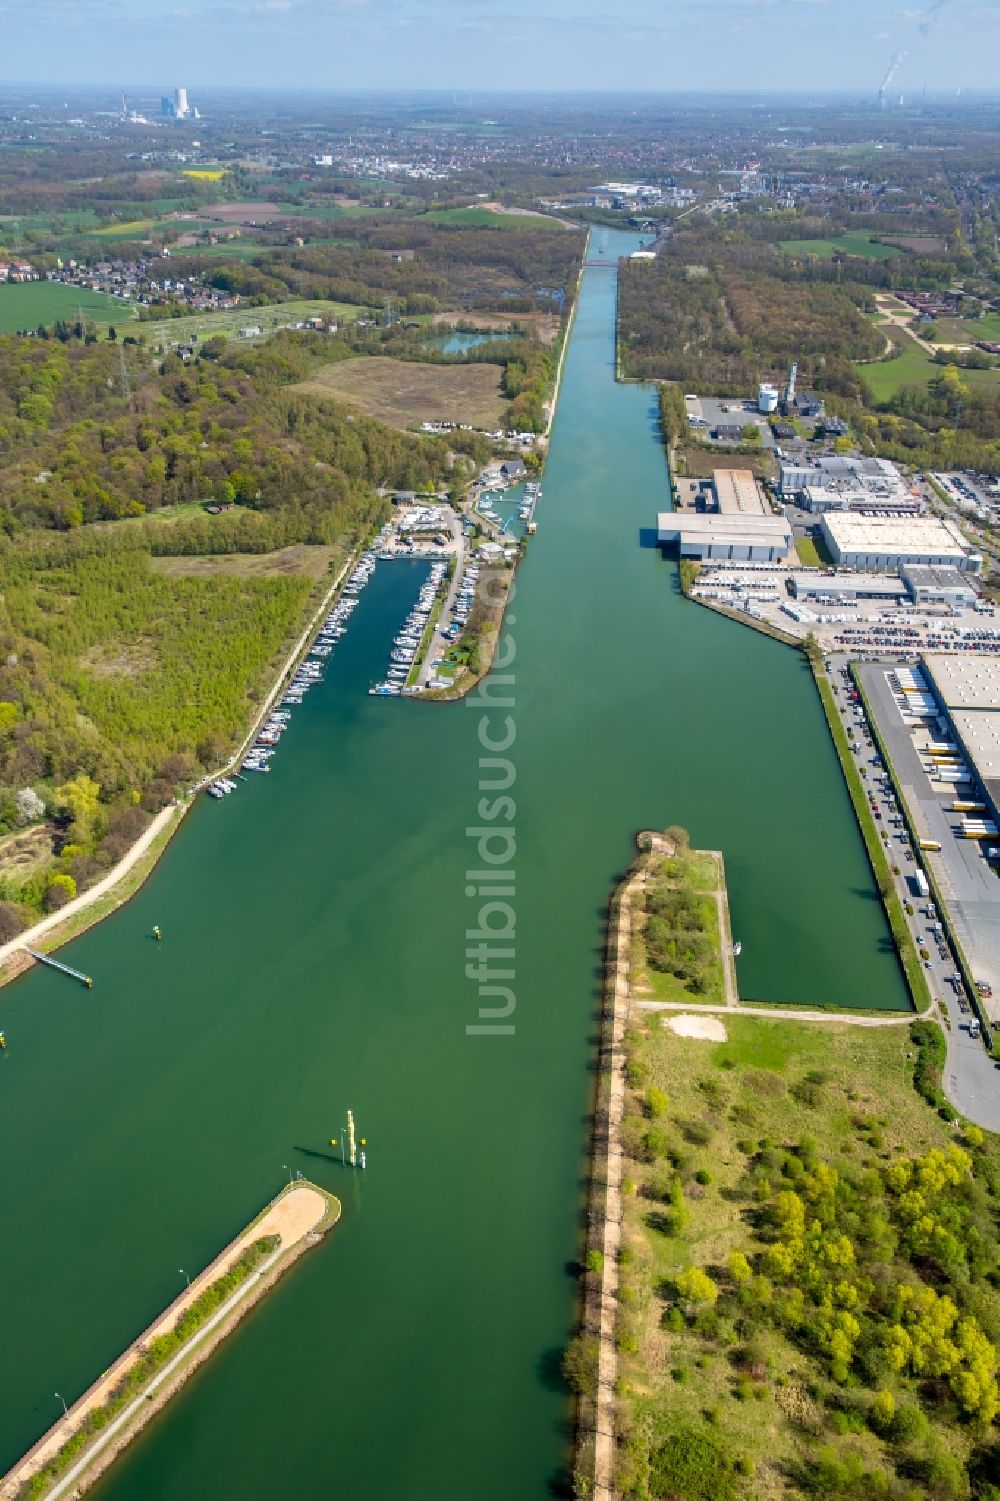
(157, 934)
(3, 1042)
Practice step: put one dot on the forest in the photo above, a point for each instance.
(89, 432)
(425, 267)
(119, 683)
(722, 328)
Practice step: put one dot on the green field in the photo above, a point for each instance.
(329, 210)
(727, 1389)
(911, 367)
(269, 319)
(32, 303)
(849, 244)
(968, 330)
(61, 223)
(482, 218)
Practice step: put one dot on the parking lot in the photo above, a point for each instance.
(863, 628)
(709, 412)
(966, 882)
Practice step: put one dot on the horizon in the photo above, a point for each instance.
(575, 46)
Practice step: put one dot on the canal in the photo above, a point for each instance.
(313, 960)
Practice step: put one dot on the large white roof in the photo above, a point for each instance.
(966, 681)
(919, 536)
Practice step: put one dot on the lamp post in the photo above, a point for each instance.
(62, 1399)
(184, 1274)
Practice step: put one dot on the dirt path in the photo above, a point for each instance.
(294, 1216)
(29, 939)
(784, 1013)
(901, 318)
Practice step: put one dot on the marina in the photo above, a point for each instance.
(407, 644)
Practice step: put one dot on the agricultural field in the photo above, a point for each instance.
(484, 218)
(310, 561)
(919, 244)
(847, 244)
(403, 393)
(31, 303)
(776, 1292)
(124, 230)
(327, 209)
(279, 315)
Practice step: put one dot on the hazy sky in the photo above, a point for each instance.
(589, 44)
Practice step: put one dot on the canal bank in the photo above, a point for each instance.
(315, 955)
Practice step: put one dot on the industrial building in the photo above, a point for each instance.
(842, 588)
(848, 484)
(178, 107)
(967, 690)
(889, 542)
(933, 586)
(737, 537)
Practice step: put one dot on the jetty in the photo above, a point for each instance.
(66, 969)
(102, 1422)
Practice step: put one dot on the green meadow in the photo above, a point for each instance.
(847, 244)
(31, 303)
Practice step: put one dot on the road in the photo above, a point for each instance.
(437, 645)
(970, 1080)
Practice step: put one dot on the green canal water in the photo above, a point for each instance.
(313, 959)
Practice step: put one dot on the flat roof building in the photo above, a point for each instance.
(963, 681)
(848, 483)
(967, 688)
(737, 492)
(890, 542)
(835, 588)
(739, 537)
(937, 585)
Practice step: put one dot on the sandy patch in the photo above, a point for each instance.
(707, 1028)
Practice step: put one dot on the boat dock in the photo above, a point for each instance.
(74, 974)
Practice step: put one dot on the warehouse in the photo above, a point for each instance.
(942, 586)
(889, 542)
(738, 537)
(967, 688)
(839, 588)
(964, 681)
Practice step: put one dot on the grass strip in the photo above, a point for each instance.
(156, 1356)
